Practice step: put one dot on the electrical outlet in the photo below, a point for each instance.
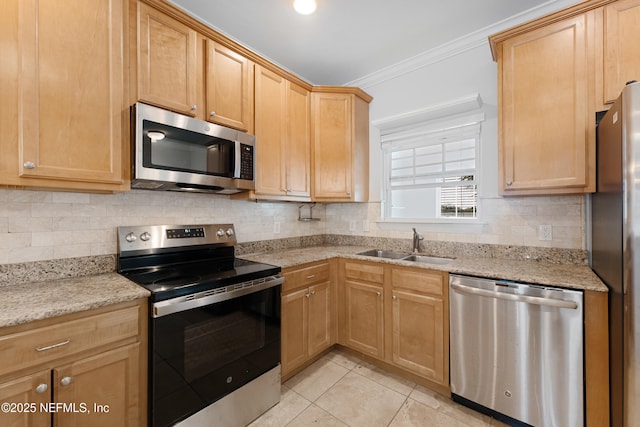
(352, 225)
(276, 227)
(545, 232)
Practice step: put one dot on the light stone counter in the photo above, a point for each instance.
(574, 276)
(26, 302)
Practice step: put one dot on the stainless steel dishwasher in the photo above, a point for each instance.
(517, 351)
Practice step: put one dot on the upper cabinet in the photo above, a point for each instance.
(621, 49)
(229, 87)
(62, 111)
(282, 128)
(167, 62)
(554, 74)
(546, 127)
(340, 140)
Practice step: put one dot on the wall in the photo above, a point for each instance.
(457, 71)
(43, 225)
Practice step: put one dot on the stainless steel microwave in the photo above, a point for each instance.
(174, 152)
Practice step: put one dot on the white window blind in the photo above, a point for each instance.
(431, 174)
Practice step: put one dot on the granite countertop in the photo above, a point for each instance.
(26, 302)
(573, 276)
(29, 301)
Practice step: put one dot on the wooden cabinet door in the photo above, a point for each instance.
(295, 314)
(621, 49)
(229, 87)
(270, 133)
(418, 329)
(32, 390)
(547, 136)
(71, 118)
(167, 62)
(364, 317)
(109, 380)
(319, 318)
(332, 146)
(298, 146)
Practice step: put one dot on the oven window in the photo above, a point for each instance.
(203, 354)
(186, 151)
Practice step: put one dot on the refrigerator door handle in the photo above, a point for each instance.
(517, 298)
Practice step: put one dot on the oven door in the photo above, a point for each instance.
(217, 344)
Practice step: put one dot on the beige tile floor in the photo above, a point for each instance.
(342, 390)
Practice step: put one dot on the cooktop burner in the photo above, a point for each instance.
(173, 261)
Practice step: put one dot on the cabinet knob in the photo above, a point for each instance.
(65, 381)
(212, 114)
(394, 297)
(29, 165)
(313, 293)
(509, 183)
(307, 295)
(41, 388)
(194, 107)
(378, 293)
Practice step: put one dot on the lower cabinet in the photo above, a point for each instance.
(396, 314)
(307, 317)
(362, 301)
(87, 370)
(420, 323)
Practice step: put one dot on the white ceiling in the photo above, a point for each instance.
(345, 40)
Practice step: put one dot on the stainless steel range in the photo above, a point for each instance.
(214, 328)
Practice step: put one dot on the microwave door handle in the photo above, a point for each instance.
(237, 156)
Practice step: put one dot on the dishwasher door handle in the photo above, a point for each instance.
(517, 298)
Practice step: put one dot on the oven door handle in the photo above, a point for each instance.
(200, 299)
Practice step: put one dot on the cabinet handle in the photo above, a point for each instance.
(194, 107)
(212, 114)
(29, 165)
(41, 388)
(65, 381)
(509, 183)
(311, 276)
(49, 347)
(378, 293)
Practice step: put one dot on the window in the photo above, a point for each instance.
(431, 174)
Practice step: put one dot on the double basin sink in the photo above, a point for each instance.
(379, 253)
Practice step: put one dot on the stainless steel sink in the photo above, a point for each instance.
(428, 259)
(378, 253)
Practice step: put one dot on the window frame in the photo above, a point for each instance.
(429, 133)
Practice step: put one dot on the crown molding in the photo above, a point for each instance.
(458, 46)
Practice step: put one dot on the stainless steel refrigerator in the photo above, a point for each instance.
(615, 247)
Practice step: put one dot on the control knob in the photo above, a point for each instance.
(145, 236)
(220, 233)
(130, 237)
(230, 232)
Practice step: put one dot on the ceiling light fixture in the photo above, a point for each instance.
(155, 135)
(304, 7)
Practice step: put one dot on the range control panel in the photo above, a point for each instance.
(185, 233)
(144, 238)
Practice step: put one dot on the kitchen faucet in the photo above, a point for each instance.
(416, 240)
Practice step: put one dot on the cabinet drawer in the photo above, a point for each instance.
(41, 345)
(424, 281)
(364, 271)
(304, 277)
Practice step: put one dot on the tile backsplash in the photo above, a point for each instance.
(44, 225)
